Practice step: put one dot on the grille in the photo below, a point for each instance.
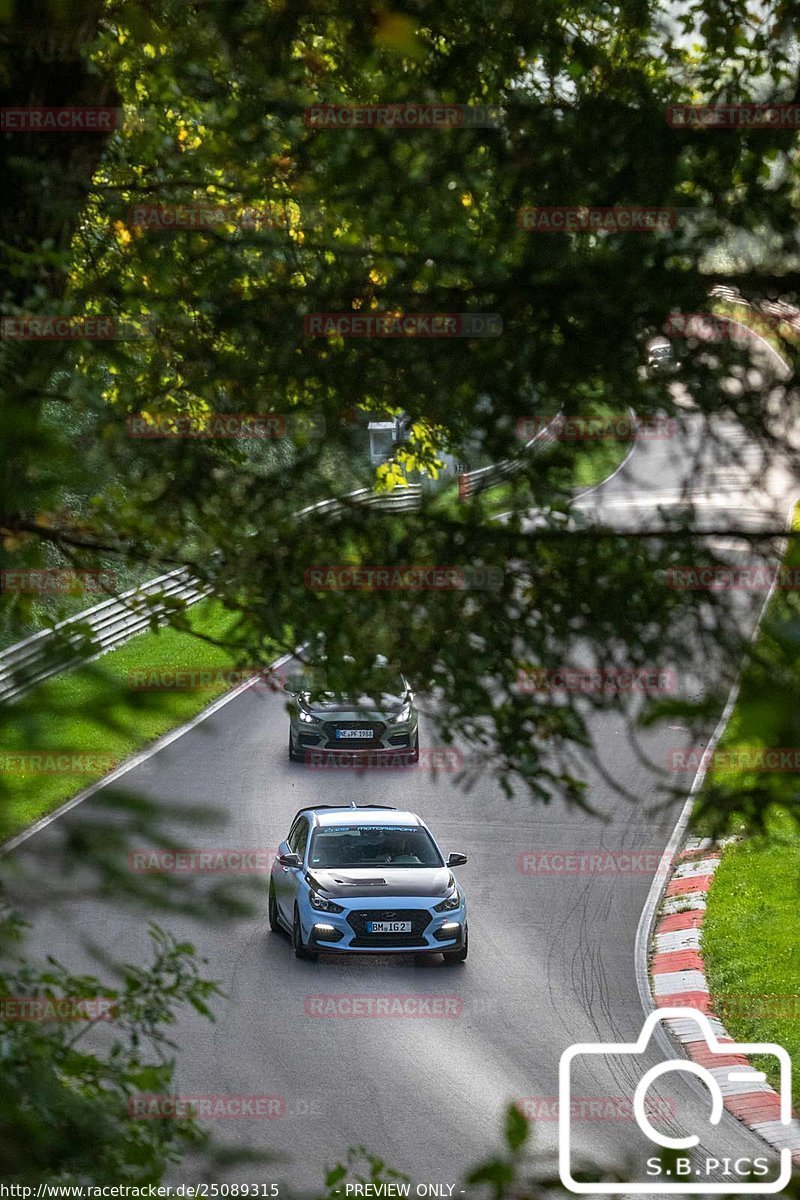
(376, 728)
(419, 922)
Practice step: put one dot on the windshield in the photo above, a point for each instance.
(373, 846)
(381, 685)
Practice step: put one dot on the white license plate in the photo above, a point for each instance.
(354, 733)
(388, 927)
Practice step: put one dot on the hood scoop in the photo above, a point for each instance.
(359, 882)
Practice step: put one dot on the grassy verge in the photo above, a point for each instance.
(749, 939)
(95, 710)
(591, 463)
(776, 333)
(750, 944)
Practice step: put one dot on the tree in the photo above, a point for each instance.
(373, 220)
(68, 1103)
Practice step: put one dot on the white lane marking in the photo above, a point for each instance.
(636, 442)
(658, 886)
(594, 487)
(135, 761)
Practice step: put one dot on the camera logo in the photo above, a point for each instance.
(700, 1174)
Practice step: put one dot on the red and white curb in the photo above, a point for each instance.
(678, 980)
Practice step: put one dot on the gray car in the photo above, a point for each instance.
(662, 360)
(376, 724)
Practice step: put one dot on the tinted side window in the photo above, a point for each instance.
(298, 837)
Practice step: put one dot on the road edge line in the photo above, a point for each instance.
(136, 760)
(645, 927)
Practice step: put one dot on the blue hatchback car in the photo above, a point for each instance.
(367, 879)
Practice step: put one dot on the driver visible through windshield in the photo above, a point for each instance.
(373, 846)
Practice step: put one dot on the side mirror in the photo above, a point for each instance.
(290, 860)
(456, 860)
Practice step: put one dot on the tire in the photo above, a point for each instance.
(297, 939)
(457, 956)
(414, 755)
(293, 755)
(272, 909)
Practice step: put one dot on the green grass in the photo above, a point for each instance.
(760, 717)
(749, 938)
(750, 943)
(776, 333)
(591, 463)
(94, 709)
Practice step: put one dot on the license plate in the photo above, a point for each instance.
(354, 733)
(388, 927)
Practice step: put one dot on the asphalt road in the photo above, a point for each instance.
(551, 955)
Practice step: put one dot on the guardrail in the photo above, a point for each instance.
(786, 313)
(92, 632)
(471, 482)
(404, 499)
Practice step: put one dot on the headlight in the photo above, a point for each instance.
(324, 905)
(307, 718)
(450, 903)
(403, 715)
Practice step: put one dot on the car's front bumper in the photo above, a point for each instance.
(346, 932)
(387, 739)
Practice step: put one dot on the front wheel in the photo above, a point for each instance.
(272, 908)
(451, 957)
(414, 755)
(297, 939)
(293, 755)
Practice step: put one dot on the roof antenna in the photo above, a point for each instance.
(353, 804)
